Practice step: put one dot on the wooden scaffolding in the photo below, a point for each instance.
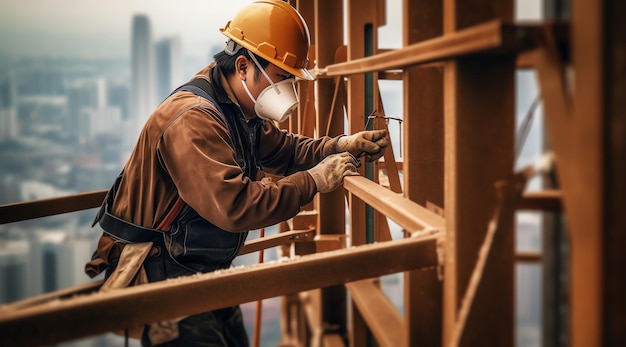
(454, 192)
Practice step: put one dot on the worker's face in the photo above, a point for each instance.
(271, 92)
(256, 82)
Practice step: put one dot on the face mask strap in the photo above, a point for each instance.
(295, 92)
(256, 62)
(245, 87)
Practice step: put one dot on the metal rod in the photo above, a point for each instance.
(259, 304)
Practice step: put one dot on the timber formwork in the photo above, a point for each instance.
(454, 192)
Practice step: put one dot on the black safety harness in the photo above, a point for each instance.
(126, 231)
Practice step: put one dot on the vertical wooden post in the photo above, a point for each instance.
(583, 188)
(359, 14)
(594, 190)
(479, 138)
(423, 165)
(304, 123)
(615, 201)
(331, 206)
(329, 29)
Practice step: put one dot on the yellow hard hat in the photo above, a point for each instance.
(275, 31)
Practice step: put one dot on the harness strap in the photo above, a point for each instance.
(128, 232)
(118, 228)
(165, 224)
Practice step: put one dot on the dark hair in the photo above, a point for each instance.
(226, 62)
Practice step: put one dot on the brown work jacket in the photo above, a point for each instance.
(196, 159)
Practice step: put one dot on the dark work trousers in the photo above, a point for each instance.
(219, 328)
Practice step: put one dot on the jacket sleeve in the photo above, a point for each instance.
(199, 156)
(284, 153)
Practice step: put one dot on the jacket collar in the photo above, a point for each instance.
(223, 91)
(225, 95)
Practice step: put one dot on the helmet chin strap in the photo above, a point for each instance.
(232, 47)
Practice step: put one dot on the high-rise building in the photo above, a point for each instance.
(72, 256)
(41, 115)
(8, 117)
(56, 261)
(9, 188)
(13, 270)
(8, 124)
(81, 94)
(141, 88)
(40, 80)
(117, 96)
(169, 67)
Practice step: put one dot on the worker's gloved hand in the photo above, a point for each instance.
(329, 173)
(372, 143)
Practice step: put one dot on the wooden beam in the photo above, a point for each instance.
(103, 312)
(311, 305)
(359, 15)
(330, 122)
(585, 189)
(249, 247)
(64, 293)
(547, 200)
(479, 127)
(381, 317)
(577, 133)
(614, 200)
(333, 340)
(408, 214)
(277, 240)
(423, 155)
(490, 37)
(509, 193)
(20, 211)
(528, 257)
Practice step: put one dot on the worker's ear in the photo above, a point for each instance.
(241, 67)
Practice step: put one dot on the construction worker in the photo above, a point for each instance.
(194, 184)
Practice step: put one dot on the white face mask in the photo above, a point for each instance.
(276, 102)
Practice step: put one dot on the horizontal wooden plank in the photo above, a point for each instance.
(277, 240)
(103, 312)
(249, 247)
(490, 37)
(528, 257)
(546, 200)
(381, 317)
(20, 211)
(64, 293)
(409, 215)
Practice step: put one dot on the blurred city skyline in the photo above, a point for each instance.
(88, 29)
(70, 114)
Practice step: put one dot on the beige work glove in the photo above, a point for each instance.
(372, 143)
(329, 173)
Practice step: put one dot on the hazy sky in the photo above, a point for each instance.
(103, 27)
